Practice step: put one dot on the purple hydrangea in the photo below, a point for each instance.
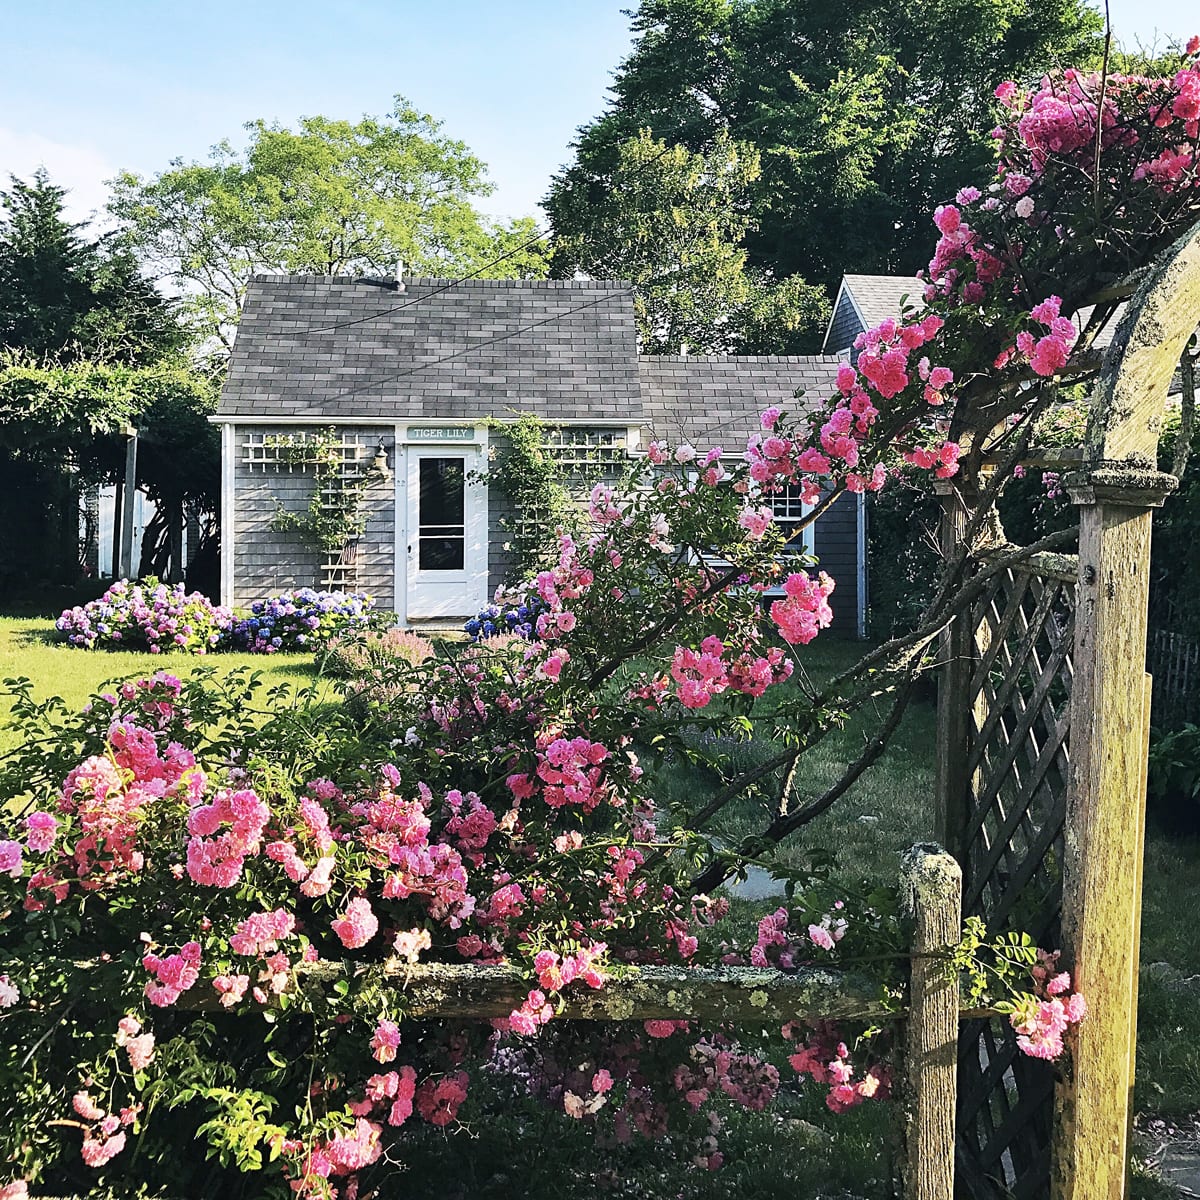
(147, 615)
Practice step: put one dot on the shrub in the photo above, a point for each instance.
(1174, 778)
(352, 653)
(147, 615)
(511, 612)
(300, 620)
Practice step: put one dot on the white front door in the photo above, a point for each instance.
(446, 562)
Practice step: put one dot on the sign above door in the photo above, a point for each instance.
(441, 433)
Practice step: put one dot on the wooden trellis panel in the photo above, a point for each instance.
(1175, 665)
(1015, 684)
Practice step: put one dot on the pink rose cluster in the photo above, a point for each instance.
(775, 947)
(699, 675)
(258, 936)
(569, 771)
(224, 834)
(104, 1133)
(1048, 349)
(102, 805)
(173, 975)
(804, 610)
(138, 1044)
(396, 833)
(744, 1078)
(555, 971)
(1042, 1018)
(826, 1060)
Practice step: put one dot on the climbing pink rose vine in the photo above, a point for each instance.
(200, 882)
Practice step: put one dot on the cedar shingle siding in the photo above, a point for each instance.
(348, 353)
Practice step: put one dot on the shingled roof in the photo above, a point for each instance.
(328, 348)
(879, 296)
(712, 401)
(333, 347)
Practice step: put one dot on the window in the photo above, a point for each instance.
(790, 510)
(441, 521)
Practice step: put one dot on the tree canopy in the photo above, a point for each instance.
(66, 295)
(865, 115)
(330, 197)
(674, 223)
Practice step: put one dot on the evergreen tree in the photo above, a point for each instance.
(67, 296)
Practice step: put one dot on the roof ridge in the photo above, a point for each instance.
(450, 281)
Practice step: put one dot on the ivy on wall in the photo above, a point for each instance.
(334, 515)
(529, 474)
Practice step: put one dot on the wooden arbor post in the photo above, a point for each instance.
(931, 890)
(1116, 492)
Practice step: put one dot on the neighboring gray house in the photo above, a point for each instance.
(416, 380)
(864, 301)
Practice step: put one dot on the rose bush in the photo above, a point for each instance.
(196, 886)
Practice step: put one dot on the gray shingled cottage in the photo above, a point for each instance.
(416, 380)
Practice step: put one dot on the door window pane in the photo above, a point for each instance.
(441, 533)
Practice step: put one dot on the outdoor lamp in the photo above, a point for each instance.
(379, 464)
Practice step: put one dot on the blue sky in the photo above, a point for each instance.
(91, 86)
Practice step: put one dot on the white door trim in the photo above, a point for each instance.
(465, 590)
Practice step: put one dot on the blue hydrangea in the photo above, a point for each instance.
(298, 620)
(508, 614)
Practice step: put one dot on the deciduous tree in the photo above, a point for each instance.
(329, 197)
(866, 114)
(674, 222)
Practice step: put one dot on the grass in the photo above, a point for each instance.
(889, 809)
(1168, 1064)
(29, 648)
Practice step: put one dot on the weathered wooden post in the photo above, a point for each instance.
(1116, 493)
(954, 690)
(931, 889)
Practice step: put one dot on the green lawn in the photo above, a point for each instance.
(889, 809)
(29, 648)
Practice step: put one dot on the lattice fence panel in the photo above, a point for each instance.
(1017, 766)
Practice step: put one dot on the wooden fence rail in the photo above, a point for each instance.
(931, 885)
(1175, 666)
